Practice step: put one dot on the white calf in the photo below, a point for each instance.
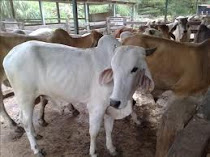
(181, 29)
(125, 35)
(76, 75)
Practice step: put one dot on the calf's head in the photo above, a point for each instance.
(182, 27)
(128, 71)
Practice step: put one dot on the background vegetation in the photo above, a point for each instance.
(152, 8)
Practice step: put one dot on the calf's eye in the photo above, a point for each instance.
(134, 69)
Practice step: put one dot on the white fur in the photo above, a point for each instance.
(72, 74)
(125, 82)
(125, 35)
(179, 31)
(43, 32)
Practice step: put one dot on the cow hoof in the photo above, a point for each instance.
(75, 113)
(38, 137)
(18, 133)
(42, 122)
(42, 153)
(114, 153)
(93, 155)
(19, 130)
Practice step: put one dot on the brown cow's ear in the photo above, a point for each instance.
(106, 76)
(173, 28)
(172, 35)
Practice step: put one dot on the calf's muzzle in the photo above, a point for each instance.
(115, 103)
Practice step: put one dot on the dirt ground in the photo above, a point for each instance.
(68, 136)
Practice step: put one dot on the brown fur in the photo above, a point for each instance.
(62, 37)
(181, 67)
(165, 30)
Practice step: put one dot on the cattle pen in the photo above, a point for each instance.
(170, 121)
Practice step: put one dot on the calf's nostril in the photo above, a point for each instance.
(115, 103)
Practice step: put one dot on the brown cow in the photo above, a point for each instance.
(62, 37)
(202, 34)
(165, 30)
(7, 42)
(180, 67)
(10, 40)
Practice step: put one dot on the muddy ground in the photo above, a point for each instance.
(68, 136)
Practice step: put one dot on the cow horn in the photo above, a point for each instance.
(150, 51)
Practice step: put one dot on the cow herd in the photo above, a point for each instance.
(101, 72)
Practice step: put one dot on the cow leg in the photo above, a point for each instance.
(41, 119)
(18, 130)
(108, 125)
(72, 109)
(26, 113)
(95, 120)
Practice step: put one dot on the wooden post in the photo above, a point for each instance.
(178, 114)
(12, 7)
(166, 10)
(58, 12)
(75, 15)
(41, 12)
(193, 140)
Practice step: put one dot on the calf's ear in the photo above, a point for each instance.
(106, 76)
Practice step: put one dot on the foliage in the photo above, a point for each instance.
(5, 12)
(23, 9)
(99, 8)
(151, 7)
(175, 7)
(124, 10)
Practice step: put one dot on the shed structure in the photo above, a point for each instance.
(74, 3)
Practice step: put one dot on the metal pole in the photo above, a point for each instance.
(41, 12)
(75, 14)
(196, 7)
(166, 10)
(87, 15)
(12, 7)
(133, 12)
(58, 12)
(114, 9)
